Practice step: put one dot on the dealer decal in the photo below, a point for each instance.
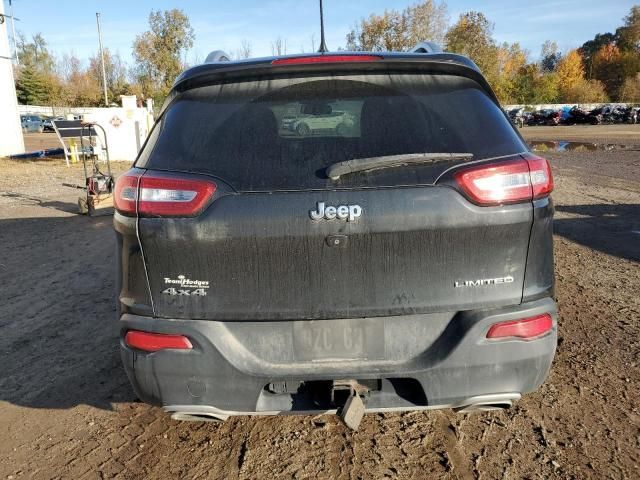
(185, 287)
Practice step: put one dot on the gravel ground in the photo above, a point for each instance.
(67, 411)
(623, 134)
(40, 141)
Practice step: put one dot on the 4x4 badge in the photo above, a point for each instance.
(198, 292)
(341, 212)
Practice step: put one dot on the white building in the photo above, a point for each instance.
(10, 129)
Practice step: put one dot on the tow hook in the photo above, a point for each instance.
(353, 409)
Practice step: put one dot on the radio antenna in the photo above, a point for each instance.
(323, 45)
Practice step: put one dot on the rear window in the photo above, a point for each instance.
(282, 134)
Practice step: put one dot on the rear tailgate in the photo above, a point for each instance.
(264, 258)
(257, 252)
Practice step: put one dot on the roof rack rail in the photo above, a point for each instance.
(427, 47)
(217, 56)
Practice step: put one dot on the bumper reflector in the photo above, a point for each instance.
(152, 342)
(525, 329)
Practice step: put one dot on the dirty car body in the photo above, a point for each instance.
(421, 270)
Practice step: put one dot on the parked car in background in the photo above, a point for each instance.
(516, 115)
(48, 123)
(545, 116)
(612, 114)
(321, 118)
(287, 121)
(576, 114)
(31, 123)
(554, 117)
(581, 116)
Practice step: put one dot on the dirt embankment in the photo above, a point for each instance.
(66, 409)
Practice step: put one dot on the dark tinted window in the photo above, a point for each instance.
(281, 134)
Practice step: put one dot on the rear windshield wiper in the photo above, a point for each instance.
(335, 171)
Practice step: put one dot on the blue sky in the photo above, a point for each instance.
(69, 26)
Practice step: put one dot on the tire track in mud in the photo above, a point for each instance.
(455, 456)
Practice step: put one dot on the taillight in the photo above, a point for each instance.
(326, 59)
(511, 181)
(162, 195)
(152, 342)
(497, 183)
(524, 329)
(541, 177)
(126, 192)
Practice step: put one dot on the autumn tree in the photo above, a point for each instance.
(115, 71)
(81, 87)
(612, 58)
(631, 90)
(545, 88)
(396, 30)
(67, 65)
(507, 68)
(34, 53)
(570, 71)
(57, 90)
(628, 36)
(572, 84)
(64, 68)
(472, 35)
(36, 82)
(591, 47)
(608, 67)
(585, 91)
(549, 56)
(512, 84)
(427, 21)
(158, 51)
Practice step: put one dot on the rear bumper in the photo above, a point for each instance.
(429, 361)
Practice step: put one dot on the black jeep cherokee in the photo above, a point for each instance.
(404, 255)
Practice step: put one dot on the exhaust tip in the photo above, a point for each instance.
(483, 407)
(486, 403)
(198, 417)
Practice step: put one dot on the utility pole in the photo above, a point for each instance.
(104, 73)
(13, 33)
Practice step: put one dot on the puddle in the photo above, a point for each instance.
(560, 146)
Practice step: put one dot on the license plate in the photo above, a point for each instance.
(339, 339)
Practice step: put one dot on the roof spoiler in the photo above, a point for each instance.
(427, 47)
(217, 56)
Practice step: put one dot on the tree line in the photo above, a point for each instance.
(158, 53)
(605, 68)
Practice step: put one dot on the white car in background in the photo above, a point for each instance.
(327, 120)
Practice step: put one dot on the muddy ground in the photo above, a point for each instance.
(67, 411)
